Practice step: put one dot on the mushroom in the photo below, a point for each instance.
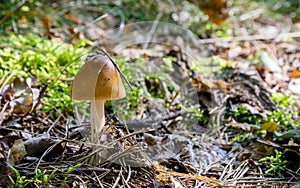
(98, 80)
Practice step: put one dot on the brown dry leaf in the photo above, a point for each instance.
(74, 33)
(6, 142)
(152, 140)
(244, 155)
(214, 9)
(22, 105)
(46, 23)
(23, 98)
(16, 152)
(50, 33)
(208, 85)
(71, 17)
(35, 147)
(295, 74)
(7, 93)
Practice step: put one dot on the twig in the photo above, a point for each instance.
(217, 161)
(2, 80)
(189, 176)
(117, 180)
(153, 29)
(44, 154)
(53, 124)
(228, 166)
(277, 37)
(2, 112)
(7, 80)
(128, 177)
(19, 6)
(98, 180)
(60, 79)
(146, 123)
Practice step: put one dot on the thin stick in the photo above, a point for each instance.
(53, 124)
(7, 80)
(20, 5)
(277, 37)
(153, 29)
(159, 169)
(117, 180)
(98, 180)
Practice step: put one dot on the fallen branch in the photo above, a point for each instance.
(276, 36)
(216, 182)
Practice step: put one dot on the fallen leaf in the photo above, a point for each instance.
(214, 9)
(71, 17)
(269, 126)
(46, 23)
(6, 142)
(295, 74)
(37, 145)
(152, 140)
(16, 152)
(7, 93)
(22, 105)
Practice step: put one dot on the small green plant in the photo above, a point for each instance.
(20, 181)
(239, 137)
(277, 162)
(286, 114)
(70, 170)
(154, 87)
(49, 61)
(197, 114)
(241, 114)
(40, 177)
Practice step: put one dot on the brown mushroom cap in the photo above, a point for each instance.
(98, 79)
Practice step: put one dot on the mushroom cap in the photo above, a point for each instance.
(98, 79)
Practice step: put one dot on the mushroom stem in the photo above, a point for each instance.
(97, 119)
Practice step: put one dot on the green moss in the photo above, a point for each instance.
(48, 60)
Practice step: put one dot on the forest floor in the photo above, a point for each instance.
(212, 101)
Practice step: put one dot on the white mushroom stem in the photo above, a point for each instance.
(97, 119)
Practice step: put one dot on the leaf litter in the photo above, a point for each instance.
(180, 156)
(175, 153)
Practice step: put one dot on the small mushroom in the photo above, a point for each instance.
(97, 81)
